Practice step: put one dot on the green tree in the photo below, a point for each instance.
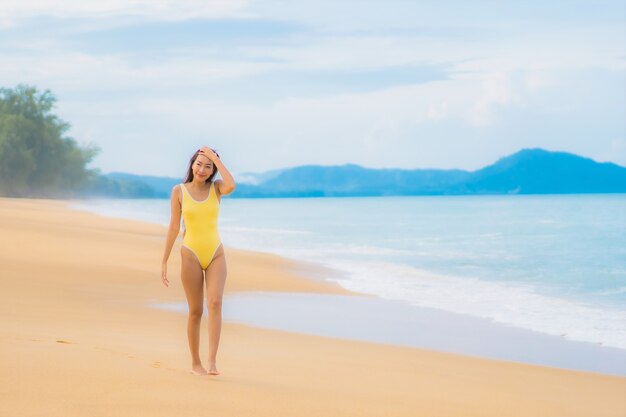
(36, 156)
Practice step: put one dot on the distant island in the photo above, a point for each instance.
(529, 171)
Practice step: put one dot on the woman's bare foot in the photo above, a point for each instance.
(198, 370)
(213, 370)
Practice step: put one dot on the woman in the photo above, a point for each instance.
(202, 254)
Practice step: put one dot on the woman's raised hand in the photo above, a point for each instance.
(209, 153)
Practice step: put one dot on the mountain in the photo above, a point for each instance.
(351, 180)
(536, 171)
(161, 186)
(256, 178)
(529, 171)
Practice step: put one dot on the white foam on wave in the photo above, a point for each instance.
(511, 304)
(262, 230)
(614, 291)
(268, 240)
(354, 249)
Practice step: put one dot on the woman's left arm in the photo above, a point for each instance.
(227, 185)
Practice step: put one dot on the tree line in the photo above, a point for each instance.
(39, 159)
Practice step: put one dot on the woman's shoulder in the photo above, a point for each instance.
(176, 188)
(216, 186)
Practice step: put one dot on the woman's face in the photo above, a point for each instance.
(202, 168)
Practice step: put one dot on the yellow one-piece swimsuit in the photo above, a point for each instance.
(200, 220)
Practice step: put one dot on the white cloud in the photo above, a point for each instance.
(535, 81)
(496, 91)
(74, 72)
(150, 9)
(617, 152)
(503, 91)
(437, 111)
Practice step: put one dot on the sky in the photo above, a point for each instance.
(276, 83)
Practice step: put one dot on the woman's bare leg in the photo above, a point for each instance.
(215, 280)
(193, 283)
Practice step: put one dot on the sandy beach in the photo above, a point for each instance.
(79, 339)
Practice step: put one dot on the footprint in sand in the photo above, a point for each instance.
(155, 364)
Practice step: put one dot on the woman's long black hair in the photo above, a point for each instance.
(189, 176)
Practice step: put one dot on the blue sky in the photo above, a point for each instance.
(273, 84)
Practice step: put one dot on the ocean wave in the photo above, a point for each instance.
(261, 230)
(511, 304)
(613, 291)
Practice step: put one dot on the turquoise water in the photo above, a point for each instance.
(553, 264)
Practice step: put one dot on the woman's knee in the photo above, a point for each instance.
(195, 313)
(215, 304)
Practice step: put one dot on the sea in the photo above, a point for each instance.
(554, 264)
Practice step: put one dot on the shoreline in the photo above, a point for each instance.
(563, 353)
(440, 272)
(376, 320)
(76, 323)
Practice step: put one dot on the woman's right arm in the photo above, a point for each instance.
(172, 232)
